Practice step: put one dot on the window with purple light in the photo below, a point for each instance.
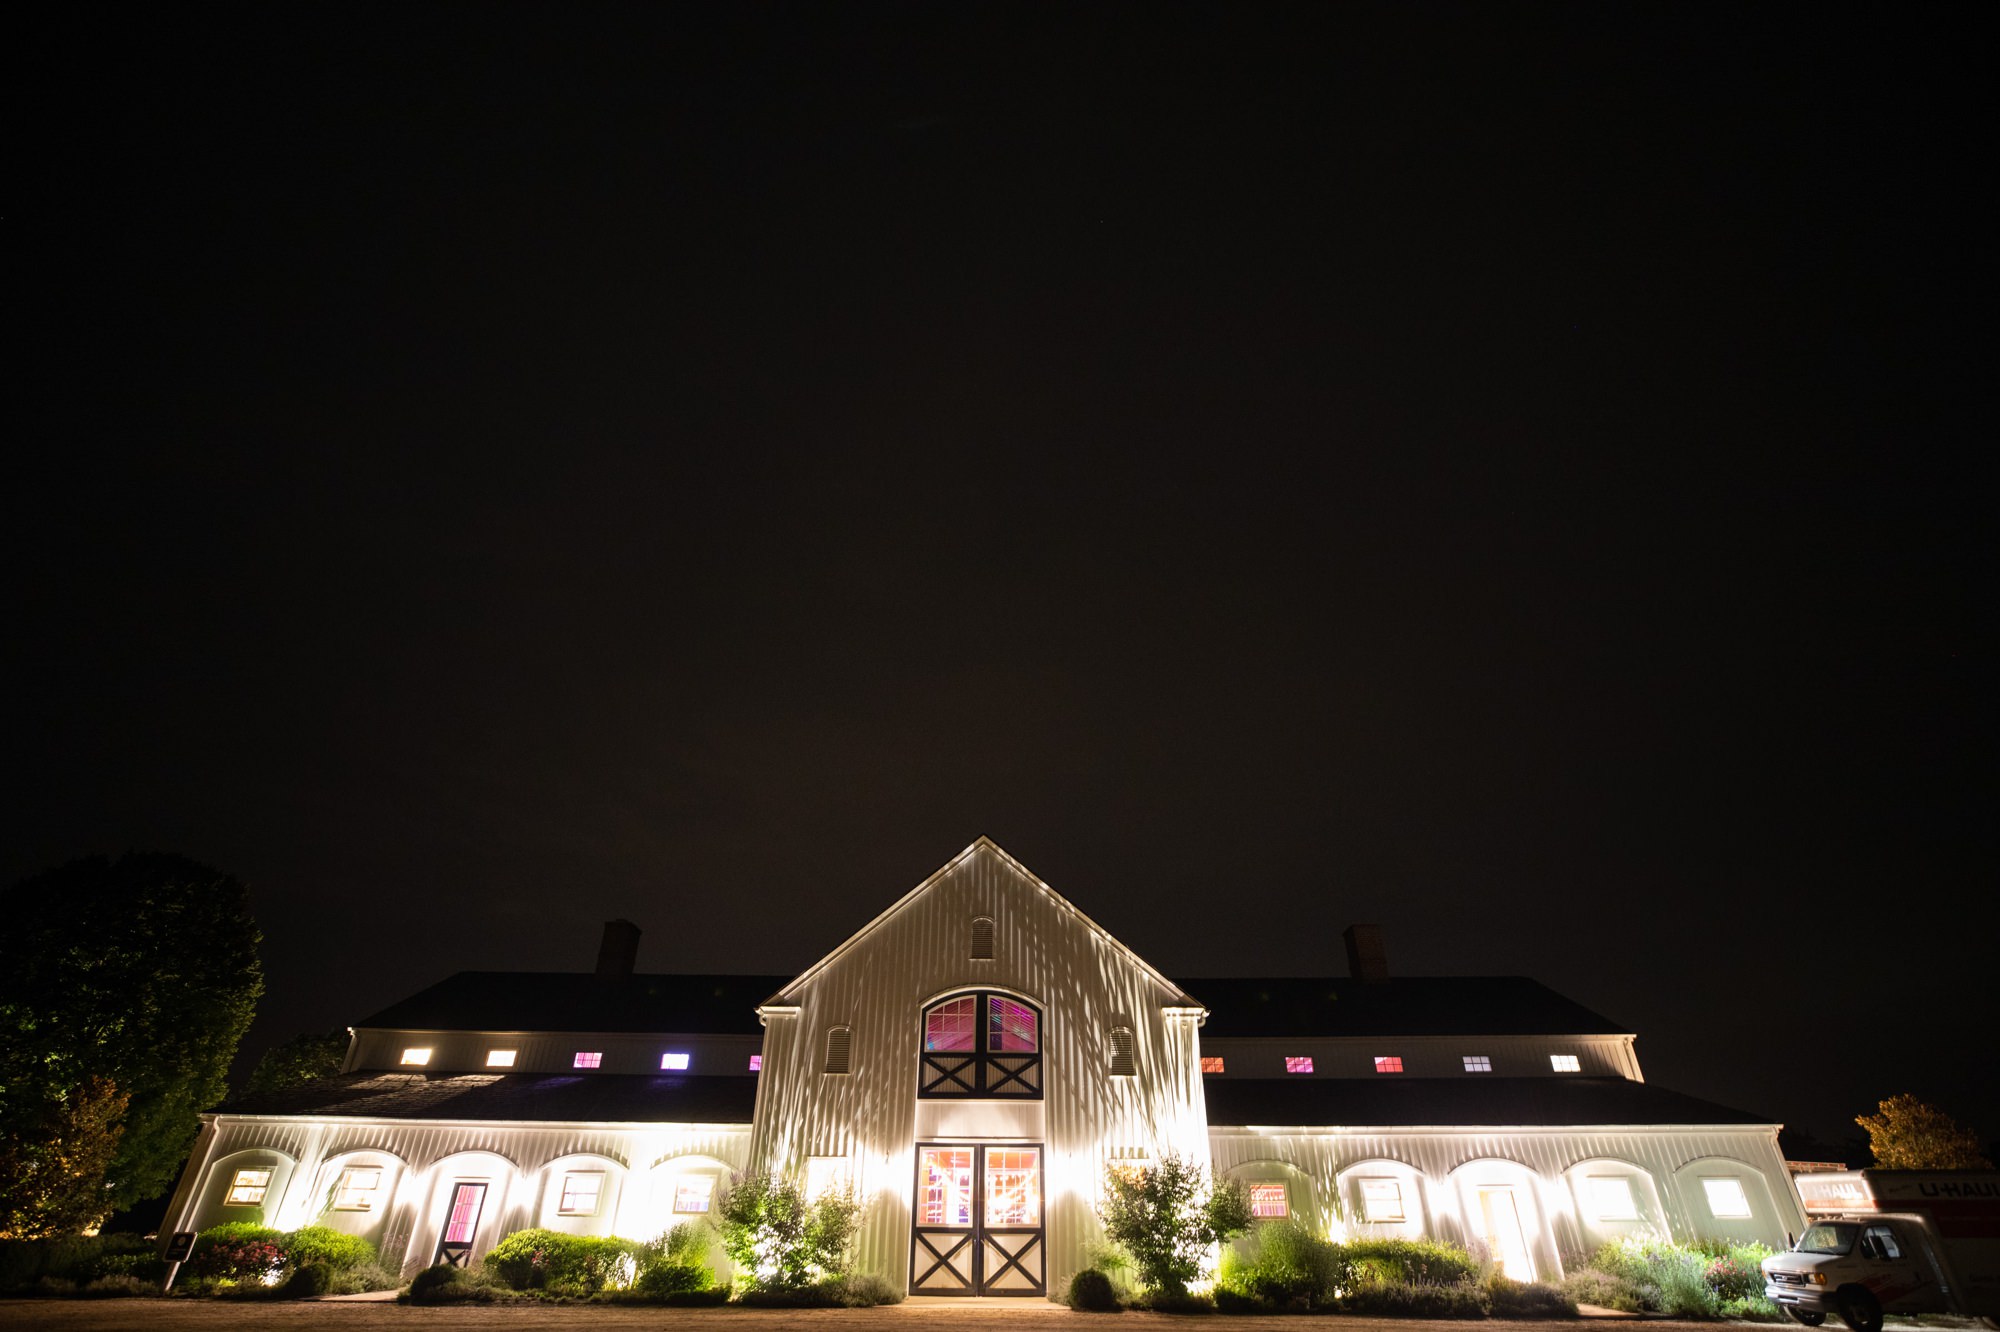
(756, 1063)
(950, 1027)
(1010, 1027)
(1298, 1063)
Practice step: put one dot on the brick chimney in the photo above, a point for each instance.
(619, 951)
(1367, 955)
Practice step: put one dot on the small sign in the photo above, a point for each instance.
(180, 1246)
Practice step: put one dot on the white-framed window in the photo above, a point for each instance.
(1726, 1199)
(1269, 1200)
(1609, 1198)
(1565, 1063)
(417, 1054)
(354, 1191)
(825, 1174)
(581, 1190)
(839, 1049)
(1382, 1200)
(1478, 1063)
(1388, 1063)
(1298, 1063)
(1211, 1063)
(500, 1058)
(588, 1059)
(674, 1061)
(692, 1193)
(247, 1188)
(1123, 1064)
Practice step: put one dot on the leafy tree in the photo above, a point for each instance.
(779, 1240)
(299, 1060)
(142, 972)
(52, 1174)
(1908, 1134)
(1170, 1217)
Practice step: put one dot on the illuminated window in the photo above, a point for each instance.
(1123, 1065)
(1726, 1199)
(982, 939)
(674, 1061)
(417, 1054)
(1479, 1063)
(1269, 1200)
(693, 1192)
(1388, 1063)
(839, 1049)
(1211, 1063)
(1382, 1200)
(944, 1186)
(580, 1192)
(247, 1189)
(951, 1026)
(1298, 1063)
(500, 1059)
(588, 1059)
(1609, 1198)
(827, 1174)
(355, 1190)
(1011, 1027)
(1565, 1063)
(1013, 1186)
(756, 1063)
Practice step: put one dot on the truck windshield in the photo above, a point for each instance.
(1828, 1237)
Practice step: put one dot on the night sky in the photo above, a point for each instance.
(1520, 474)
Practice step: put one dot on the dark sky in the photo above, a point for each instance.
(1517, 473)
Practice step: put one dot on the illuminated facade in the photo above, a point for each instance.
(971, 1063)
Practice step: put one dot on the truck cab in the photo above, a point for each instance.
(1859, 1269)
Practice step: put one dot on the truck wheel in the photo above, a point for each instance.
(1810, 1317)
(1859, 1311)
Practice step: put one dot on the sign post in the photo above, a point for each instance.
(178, 1249)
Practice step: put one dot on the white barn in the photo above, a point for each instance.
(970, 1062)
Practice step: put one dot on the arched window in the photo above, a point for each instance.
(982, 1044)
(839, 1043)
(982, 938)
(1123, 1065)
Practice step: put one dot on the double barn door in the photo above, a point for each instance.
(978, 1224)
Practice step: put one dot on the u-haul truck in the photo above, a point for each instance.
(1892, 1241)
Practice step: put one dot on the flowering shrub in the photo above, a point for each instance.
(237, 1260)
(564, 1264)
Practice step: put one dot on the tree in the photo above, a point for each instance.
(141, 972)
(1908, 1134)
(299, 1060)
(1170, 1217)
(780, 1241)
(54, 1173)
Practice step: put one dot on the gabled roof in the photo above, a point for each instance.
(582, 1001)
(1174, 993)
(1402, 1006)
(1471, 1102)
(607, 1098)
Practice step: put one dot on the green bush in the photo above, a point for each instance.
(1413, 1299)
(79, 1259)
(445, 1284)
(1169, 1216)
(671, 1278)
(865, 1290)
(326, 1247)
(1231, 1300)
(1523, 1299)
(818, 1295)
(1091, 1290)
(1684, 1288)
(564, 1264)
(119, 1287)
(1175, 1302)
(675, 1262)
(237, 1251)
(362, 1278)
(308, 1281)
(1417, 1261)
(1286, 1266)
(1608, 1290)
(781, 1242)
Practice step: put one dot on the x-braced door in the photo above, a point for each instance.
(461, 1224)
(978, 1224)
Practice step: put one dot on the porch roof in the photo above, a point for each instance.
(614, 1098)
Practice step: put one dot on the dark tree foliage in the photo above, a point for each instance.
(141, 971)
(299, 1060)
(52, 1173)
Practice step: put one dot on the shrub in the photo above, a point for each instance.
(1417, 1261)
(865, 1290)
(1176, 1302)
(1684, 1288)
(675, 1262)
(307, 1281)
(1607, 1290)
(237, 1251)
(1523, 1299)
(564, 1264)
(119, 1287)
(1091, 1290)
(1286, 1266)
(1232, 1300)
(1411, 1299)
(671, 1278)
(364, 1277)
(445, 1284)
(79, 1259)
(1752, 1309)
(817, 1295)
(323, 1245)
(778, 1240)
(1168, 1216)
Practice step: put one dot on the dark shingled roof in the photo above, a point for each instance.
(615, 1098)
(1306, 1102)
(1402, 1006)
(582, 1001)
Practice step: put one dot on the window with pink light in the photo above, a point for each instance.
(1298, 1063)
(952, 1026)
(1011, 1028)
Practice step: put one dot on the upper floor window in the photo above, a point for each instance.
(1211, 1063)
(756, 1063)
(1388, 1063)
(588, 1059)
(355, 1190)
(839, 1049)
(982, 938)
(247, 1188)
(417, 1054)
(1298, 1063)
(1565, 1063)
(1123, 1062)
(500, 1058)
(1269, 1200)
(674, 1061)
(1478, 1063)
(981, 1044)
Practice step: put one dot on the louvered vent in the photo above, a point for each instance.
(982, 938)
(1122, 1065)
(839, 1042)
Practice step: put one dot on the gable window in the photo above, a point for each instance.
(247, 1188)
(1123, 1065)
(1269, 1200)
(1211, 1063)
(1565, 1063)
(692, 1193)
(581, 1190)
(839, 1048)
(1610, 1198)
(1298, 1063)
(588, 1059)
(982, 938)
(1388, 1063)
(674, 1061)
(417, 1054)
(756, 1063)
(981, 1044)
(1726, 1199)
(500, 1059)
(1479, 1063)
(355, 1190)
(1382, 1200)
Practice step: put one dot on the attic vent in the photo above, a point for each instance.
(839, 1041)
(982, 938)
(1122, 1064)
